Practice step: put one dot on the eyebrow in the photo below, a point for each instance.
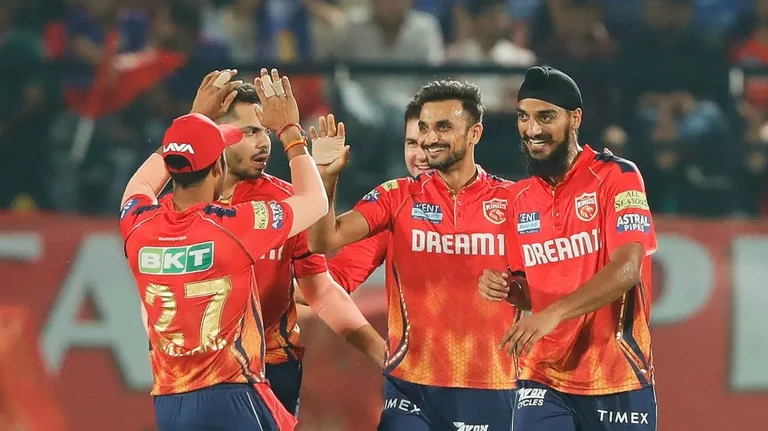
(251, 129)
(542, 112)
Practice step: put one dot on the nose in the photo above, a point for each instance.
(533, 128)
(429, 137)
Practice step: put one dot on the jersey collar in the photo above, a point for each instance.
(477, 184)
(582, 162)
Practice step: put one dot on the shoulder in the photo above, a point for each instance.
(138, 205)
(281, 188)
(609, 166)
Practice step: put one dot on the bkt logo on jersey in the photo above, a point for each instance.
(530, 397)
(175, 147)
(176, 260)
(427, 212)
(528, 223)
(633, 223)
(563, 248)
(473, 244)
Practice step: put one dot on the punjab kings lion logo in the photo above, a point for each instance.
(495, 210)
(586, 206)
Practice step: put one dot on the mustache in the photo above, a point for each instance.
(540, 137)
(424, 146)
(264, 152)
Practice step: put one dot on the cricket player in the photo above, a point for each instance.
(246, 180)
(580, 238)
(442, 370)
(194, 262)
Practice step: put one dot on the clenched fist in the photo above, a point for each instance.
(497, 285)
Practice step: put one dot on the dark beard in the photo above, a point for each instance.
(551, 167)
(448, 162)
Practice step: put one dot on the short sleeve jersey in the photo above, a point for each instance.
(194, 271)
(440, 331)
(561, 237)
(275, 271)
(356, 262)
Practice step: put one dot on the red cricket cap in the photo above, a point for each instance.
(199, 140)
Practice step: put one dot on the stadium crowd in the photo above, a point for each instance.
(87, 87)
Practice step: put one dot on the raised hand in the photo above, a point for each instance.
(278, 105)
(215, 94)
(328, 145)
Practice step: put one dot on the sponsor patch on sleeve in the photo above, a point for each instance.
(633, 223)
(278, 216)
(630, 199)
(260, 216)
(389, 185)
(127, 207)
(372, 196)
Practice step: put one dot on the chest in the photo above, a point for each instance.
(558, 225)
(462, 226)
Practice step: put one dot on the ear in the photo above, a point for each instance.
(577, 116)
(475, 133)
(218, 168)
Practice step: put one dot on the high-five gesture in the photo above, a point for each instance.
(278, 106)
(328, 145)
(215, 93)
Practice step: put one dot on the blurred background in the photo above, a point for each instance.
(87, 88)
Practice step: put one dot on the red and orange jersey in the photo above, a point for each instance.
(356, 262)
(275, 271)
(195, 274)
(440, 331)
(561, 237)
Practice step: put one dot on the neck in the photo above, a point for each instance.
(460, 175)
(573, 154)
(185, 198)
(229, 185)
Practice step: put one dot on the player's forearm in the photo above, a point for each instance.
(332, 304)
(322, 235)
(370, 343)
(309, 202)
(621, 273)
(148, 180)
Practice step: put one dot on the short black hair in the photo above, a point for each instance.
(412, 111)
(186, 179)
(465, 92)
(246, 93)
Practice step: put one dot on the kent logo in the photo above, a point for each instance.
(178, 148)
(176, 260)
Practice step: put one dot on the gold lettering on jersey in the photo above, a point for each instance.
(563, 248)
(260, 215)
(168, 308)
(630, 199)
(472, 244)
(389, 185)
(209, 327)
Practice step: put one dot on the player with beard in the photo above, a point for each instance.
(356, 262)
(246, 180)
(442, 370)
(582, 241)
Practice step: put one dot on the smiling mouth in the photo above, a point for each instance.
(435, 149)
(538, 144)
